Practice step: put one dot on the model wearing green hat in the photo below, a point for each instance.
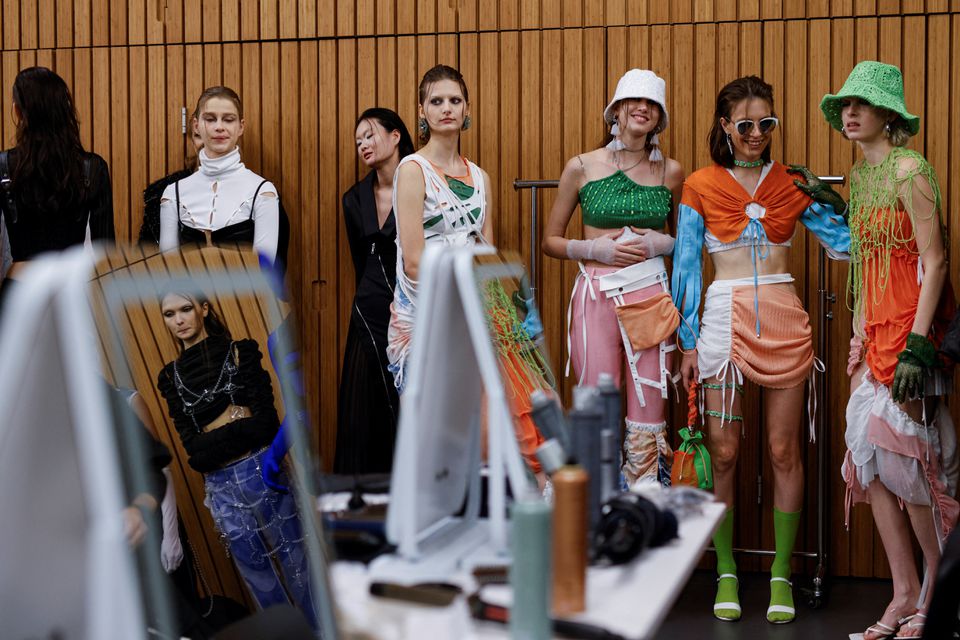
(896, 236)
(879, 85)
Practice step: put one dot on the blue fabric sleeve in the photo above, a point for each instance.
(288, 366)
(830, 228)
(687, 281)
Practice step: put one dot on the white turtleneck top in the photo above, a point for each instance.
(218, 195)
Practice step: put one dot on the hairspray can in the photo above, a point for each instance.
(586, 423)
(569, 540)
(612, 448)
(548, 415)
(530, 570)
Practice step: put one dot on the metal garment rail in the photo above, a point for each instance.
(534, 186)
(815, 595)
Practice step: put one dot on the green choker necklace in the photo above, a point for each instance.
(748, 165)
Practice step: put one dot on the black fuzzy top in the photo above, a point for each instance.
(200, 367)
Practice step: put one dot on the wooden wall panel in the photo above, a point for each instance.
(539, 74)
(468, 59)
(347, 79)
(29, 24)
(507, 202)
(487, 100)
(552, 158)
(530, 125)
(468, 13)
(952, 193)
(327, 277)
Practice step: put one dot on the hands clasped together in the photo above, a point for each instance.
(622, 247)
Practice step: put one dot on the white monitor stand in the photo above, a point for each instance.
(66, 566)
(436, 471)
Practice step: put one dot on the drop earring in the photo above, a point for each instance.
(466, 123)
(730, 145)
(424, 128)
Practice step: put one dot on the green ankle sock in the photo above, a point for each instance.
(727, 604)
(785, 526)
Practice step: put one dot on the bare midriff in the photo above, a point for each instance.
(230, 414)
(738, 263)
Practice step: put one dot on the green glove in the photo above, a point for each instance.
(913, 367)
(818, 189)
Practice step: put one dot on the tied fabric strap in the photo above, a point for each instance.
(761, 250)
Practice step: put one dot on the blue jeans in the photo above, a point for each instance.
(261, 529)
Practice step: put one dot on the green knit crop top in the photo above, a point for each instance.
(617, 201)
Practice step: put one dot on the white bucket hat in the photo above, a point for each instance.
(639, 83)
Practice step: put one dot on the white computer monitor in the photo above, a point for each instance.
(453, 378)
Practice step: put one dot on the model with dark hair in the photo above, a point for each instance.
(901, 443)
(223, 201)
(368, 402)
(51, 190)
(221, 401)
(621, 315)
(745, 208)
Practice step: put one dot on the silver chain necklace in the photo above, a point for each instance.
(198, 401)
(616, 159)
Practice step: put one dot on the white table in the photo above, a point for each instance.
(631, 599)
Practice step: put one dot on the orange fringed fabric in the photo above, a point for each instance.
(692, 412)
(889, 310)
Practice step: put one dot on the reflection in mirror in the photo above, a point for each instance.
(517, 335)
(144, 466)
(200, 342)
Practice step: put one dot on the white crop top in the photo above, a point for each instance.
(219, 194)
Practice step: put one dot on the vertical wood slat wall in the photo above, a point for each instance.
(539, 73)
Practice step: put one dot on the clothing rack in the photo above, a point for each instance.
(816, 593)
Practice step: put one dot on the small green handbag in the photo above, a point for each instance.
(691, 461)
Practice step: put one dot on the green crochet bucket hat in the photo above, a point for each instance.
(877, 83)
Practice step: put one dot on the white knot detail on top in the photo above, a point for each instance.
(755, 211)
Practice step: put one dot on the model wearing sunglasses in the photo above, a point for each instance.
(744, 209)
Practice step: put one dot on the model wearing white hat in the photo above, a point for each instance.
(620, 310)
(635, 84)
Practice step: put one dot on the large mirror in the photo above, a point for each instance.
(196, 348)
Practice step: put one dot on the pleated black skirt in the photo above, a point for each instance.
(368, 404)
